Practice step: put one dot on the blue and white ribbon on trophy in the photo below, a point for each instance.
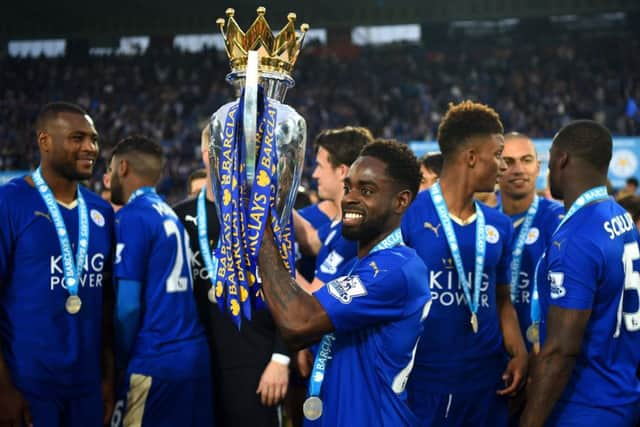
(250, 128)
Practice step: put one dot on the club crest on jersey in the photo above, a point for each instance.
(556, 282)
(532, 236)
(331, 263)
(344, 289)
(492, 234)
(97, 217)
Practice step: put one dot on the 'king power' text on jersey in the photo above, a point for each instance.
(153, 249)
(593, 263)
(377, 312)
(547, 218)
(452, 358)
(50, 353)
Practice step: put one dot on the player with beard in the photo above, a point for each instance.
(160, 344)
(367, 319)
(461, 376)
(55, 283)
(589, 287)
(336, 149)
(534, 221)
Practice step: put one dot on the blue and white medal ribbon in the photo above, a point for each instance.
(209, 258)
(72, 270)
(518, 250)
(589, 196)
(140, 192)
(481, 248)
(312, 407)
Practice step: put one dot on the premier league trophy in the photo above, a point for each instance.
(256, 154)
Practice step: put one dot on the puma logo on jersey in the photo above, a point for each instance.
(433, 228)
(42, 214)
(375, 268)
(193, 219)
(557, 243)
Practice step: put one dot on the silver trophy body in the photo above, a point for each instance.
(291, 138)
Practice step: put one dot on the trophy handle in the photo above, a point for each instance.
(249, 118)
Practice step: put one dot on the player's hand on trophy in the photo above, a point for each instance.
(14, 410)
(273, 383)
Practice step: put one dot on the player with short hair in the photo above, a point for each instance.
(336, 150)
(55, 282)
(196, 180)
(431, 167)
(368, 319)
(160, 342)
(589, 287)
(466, 246)
(534, 221)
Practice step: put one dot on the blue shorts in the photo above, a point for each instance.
(568, 414)
(478, 408)
(153, 402)
(78, 412)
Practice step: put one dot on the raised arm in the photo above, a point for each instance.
(551, 368)
(306, 235)
(300, 317)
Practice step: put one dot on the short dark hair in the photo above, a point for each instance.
(139, 146)
(633, 181)
(432, 162)
(587, 140)
(466, 120)
(50, 111)
(344, 144)
(196, 174)
(402, 165)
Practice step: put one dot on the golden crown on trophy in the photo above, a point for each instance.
(277, 54)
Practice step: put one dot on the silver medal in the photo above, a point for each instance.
(312, 408)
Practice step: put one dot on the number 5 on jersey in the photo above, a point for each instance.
(631, 283)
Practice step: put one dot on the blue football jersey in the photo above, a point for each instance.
(451, 357)
(314, 215)
(335, 252)
(153, 249)
(593, 263)
(547, 218)
(317, 218)
(50, 352)
(377, 312)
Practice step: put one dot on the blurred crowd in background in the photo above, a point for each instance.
(398, 91)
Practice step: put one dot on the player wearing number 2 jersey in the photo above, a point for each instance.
(589, 287)
(158, 335)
